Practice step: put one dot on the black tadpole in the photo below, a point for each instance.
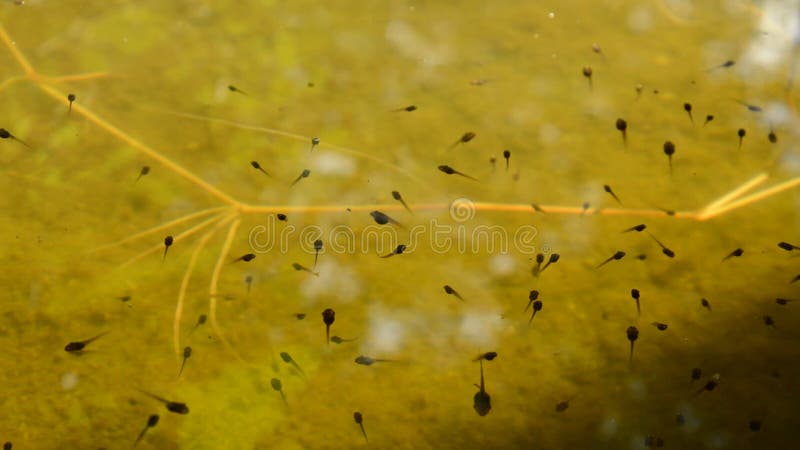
(660, 326)
(705, 304)
(587, 72)
(772, 137)
(633, 334)
(607, 188)
(554, 257)
(532, 297)
(466, 137)
(359, 419)
(507, 156)
(408, 108)
(787, 246)
(317, 249)
(450, 171)
(276, 385)
(187, 353)
(734, 254)
(78, 346)
(299, 267)
(397, 251)
(5, 134)
(450, 291)
(142, 172)
(314, 142)
(669, 150)
(622, 126)
(539, 261)
(664, 248)
(304, 174)
(725, 65)
(368, 360)
(382, 219)
(328, 317)
(340, 340)
(70, 98)
(709, 118)
(635, 296)
(537, 306)
(289, 360)
(710, 385)
(616, 256)
(751, 108)
(200, 320)
(741, 133)
(396, 195)
(248, 280)
(167, 244)
(488, 356)
(233, 88)
(175, 407)
(258, 167)
(688, 108)
(482, 402)
(638, 228)
(563, 405)
(247, 257)
(152, 421)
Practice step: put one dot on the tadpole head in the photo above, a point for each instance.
(633, 333)
(482, 403)
(328, 316)
(489, 356)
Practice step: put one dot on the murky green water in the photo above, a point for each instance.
(158, 87)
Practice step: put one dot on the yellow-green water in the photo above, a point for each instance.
(158, 88)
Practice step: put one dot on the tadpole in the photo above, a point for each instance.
(78, 346)
(359, 419)
(175, 407)
(152, 421)
(450, 291)
(289, 360)
(482, 402)
(328, 317)
(278, 386)
(633, 334)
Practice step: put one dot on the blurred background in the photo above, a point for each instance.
(212, 86)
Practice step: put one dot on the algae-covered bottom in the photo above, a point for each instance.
(399, 225)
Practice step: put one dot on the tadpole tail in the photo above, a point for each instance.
(630, 360)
